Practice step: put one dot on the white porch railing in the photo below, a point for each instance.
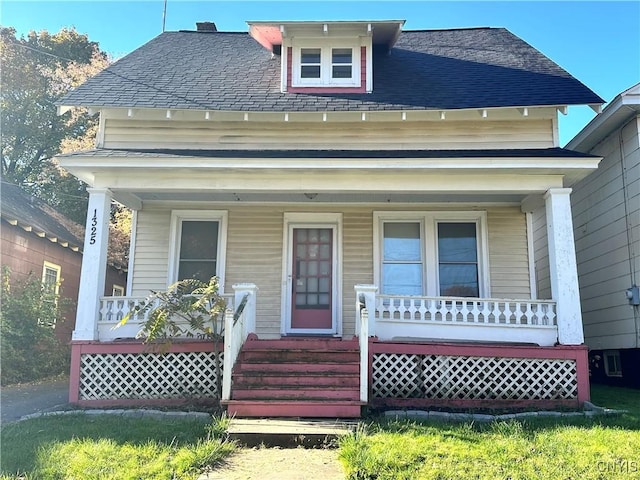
(363, 341)
(238, 324)
(460, 318)
(113, 310)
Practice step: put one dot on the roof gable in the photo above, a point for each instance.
(426, 70)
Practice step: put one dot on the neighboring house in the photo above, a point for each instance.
(38, 240)
(394, 206)
(606, 219)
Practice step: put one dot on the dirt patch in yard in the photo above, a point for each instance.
(279, 464)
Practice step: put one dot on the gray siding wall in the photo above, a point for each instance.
(606, 217)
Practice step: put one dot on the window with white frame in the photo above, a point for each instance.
(458, 259)
(322, 66)
(431, 253)
(51, 277)
(198, 245)
(117, 291)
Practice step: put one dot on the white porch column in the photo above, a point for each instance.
(562, 266)
(94, 264)
(240, 290)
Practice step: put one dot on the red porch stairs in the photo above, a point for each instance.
(296, 378)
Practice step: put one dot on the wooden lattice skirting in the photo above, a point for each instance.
(482, 376)
(129, 373)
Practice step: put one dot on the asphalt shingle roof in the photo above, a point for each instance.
(16, 204)
(433, 69)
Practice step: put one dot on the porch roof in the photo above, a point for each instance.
(344, 175)
(333, 154)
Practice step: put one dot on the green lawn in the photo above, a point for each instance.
(106, 447)
(86, 447)
(542, 448)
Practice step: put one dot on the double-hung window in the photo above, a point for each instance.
(458, 259)
(51, 278)
(402, 258)
(431, 253)
(198, 240)
(326, 66)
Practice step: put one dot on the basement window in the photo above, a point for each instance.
(612, 363)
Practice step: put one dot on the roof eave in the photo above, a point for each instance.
(620, 110)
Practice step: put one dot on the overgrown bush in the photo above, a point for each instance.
(29, 348)
(187, 308)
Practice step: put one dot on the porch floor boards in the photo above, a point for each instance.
(301, 377)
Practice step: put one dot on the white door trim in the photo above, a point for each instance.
(312, 220)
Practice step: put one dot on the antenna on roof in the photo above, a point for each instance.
(164, 15)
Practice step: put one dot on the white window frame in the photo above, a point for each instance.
(429, 242)
(179, 216)
(326, 62)
(615, 354)
(117, 290)
(58, 269)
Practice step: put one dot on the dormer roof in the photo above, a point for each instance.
(270, 34)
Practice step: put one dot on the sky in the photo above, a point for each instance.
(598, 42)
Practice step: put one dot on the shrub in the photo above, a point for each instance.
(29, 348)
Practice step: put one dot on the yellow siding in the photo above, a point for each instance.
(137, 133)
(508, 257)
(254, 254)
(151, 252)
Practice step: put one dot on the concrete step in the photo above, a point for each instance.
(294, 408)
(289, 433)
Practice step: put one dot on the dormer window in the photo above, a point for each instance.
(326, 57)
(326, 66)
(310, 62)
(341, 63)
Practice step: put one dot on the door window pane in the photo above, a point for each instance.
(458, 259)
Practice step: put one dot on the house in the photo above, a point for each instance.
(393, 206)
(606, 219)
(37, 239)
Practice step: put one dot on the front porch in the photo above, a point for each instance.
(467, 303)
(414, 352)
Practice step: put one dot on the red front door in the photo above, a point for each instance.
(312, 276)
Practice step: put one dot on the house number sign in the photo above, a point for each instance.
(94, 227)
